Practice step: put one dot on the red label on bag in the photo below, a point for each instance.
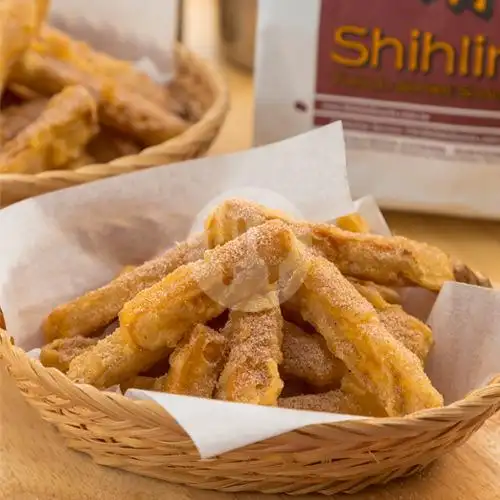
(420, 68)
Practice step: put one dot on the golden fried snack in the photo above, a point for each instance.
(410, 331)
(58, 136)
(18, 118)
(113, 360)
(61, 352)
(355, 335)
(251, 373)
(108, 145)
(198, 292)
(97, 308)
(336, 401)
(80, 55)
(19, 24)
(392, 261)
(306, 357)
(369, 403)
(119, 108)
(464, 274)
(23, 93)
(388, 294)
(196, 363)
(2, 320)
(354, 223)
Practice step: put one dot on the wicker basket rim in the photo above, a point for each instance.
(475, 402)
(219, 107)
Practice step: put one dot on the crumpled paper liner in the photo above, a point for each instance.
(56, 247)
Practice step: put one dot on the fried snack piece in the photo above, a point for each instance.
(18, 118)
(393, 261)
(196, 363)
(368, 402)
(464, 274)
(58, 136)
(108, 145)
(251, 373)
(119, 108)
(354, 223)
(336, 401)
(113, 360)
(2, 320)
(19, 24)
(354, 334)
(22, 92)
(387, 293)
(306, 357)
(410, 331)
(97, 308)
(59, 45)
(198, 292)
(61, 352)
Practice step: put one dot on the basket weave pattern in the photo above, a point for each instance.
(200, 86)
(142, 437)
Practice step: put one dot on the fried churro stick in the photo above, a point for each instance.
(354, 223)
(355, 392)
(19, 23)
(306, 357)
(464, 274)
(354, 334)
(59, 45)
(97, 308)
(388, 294)
(61, 352)
(113, 360)
(251, 373)
(119, 108)
(392, 261)
(58, 136)
(198, 292)
(410, 331)
(336, 401)
(17, 118)
(195, 365)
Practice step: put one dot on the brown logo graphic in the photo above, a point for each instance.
(482, 8)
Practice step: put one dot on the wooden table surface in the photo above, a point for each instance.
(35, 464)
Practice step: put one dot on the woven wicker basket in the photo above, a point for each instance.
(142, 437)
(200, 87)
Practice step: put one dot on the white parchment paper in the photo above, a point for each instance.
(142, 32)
(57, 246)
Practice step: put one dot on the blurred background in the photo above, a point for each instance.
(229, 34)
(223, 31)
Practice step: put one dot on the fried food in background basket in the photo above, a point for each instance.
(51, 127)
(259, 309)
